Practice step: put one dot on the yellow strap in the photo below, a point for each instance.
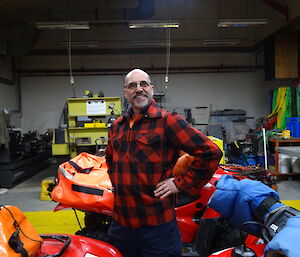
(236, 144)
(280, 106)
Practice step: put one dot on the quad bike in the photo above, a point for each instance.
(202, 228)
(62, 245)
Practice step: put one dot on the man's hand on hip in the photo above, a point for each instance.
(165, 188)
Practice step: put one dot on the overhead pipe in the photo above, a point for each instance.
(152, 70)
(175, 50)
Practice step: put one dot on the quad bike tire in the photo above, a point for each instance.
(225, 236)
(214, 235)
(96, 226)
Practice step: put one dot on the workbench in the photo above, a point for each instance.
(284, 146)
(17, 171)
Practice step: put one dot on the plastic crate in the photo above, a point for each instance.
(45, 194)
(220, 144)
(293, 124)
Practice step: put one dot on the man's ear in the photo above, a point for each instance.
(125, 93)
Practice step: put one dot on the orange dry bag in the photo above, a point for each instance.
(18, 237)
(83, 183)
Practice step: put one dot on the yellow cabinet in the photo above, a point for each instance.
(87, 122)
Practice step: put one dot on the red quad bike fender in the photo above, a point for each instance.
(251, 242)
(258, 249)
(185, 214)
(79, 247)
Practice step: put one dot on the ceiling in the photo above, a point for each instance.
(109, 19)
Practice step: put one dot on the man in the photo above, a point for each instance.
(141, 153)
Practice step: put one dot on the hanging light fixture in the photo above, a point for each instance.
(152, 24)
(155, 43)
(70, 25)
(224, 23)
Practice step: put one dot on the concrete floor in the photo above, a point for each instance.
(26, 195)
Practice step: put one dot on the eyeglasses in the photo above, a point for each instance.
(134, 85)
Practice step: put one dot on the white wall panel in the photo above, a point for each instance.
(8, 97)
(9, 101)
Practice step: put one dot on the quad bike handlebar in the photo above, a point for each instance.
(66, 240)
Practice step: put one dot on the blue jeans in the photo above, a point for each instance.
(151, 241)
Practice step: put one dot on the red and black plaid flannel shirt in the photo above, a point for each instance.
(140, 157)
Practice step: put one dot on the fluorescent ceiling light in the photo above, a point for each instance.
(63, 25)
(217, 42)
(139, 24)
(224, 23)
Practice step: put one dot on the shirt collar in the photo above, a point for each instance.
(151, 111)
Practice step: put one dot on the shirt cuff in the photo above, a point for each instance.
(181, 185)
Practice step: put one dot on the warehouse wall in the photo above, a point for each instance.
(43, 98)
(9, 90)
(8, 96)
(9, 101)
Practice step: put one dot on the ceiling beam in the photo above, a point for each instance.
(284, 10)
(293, 26)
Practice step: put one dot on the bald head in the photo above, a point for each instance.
(138, 89)
(136, 72)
